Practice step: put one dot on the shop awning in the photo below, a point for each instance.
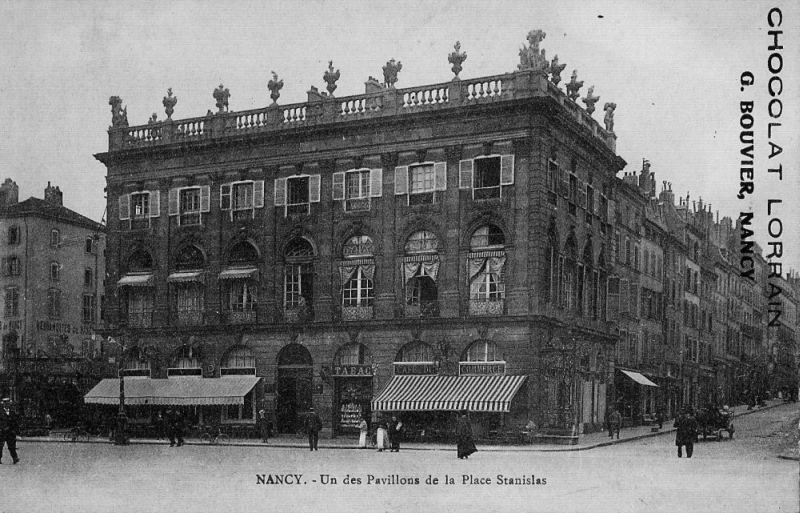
(185, 276)
(639, 378)
(136, 280)
(174, 391)
(448, 393)
(239, 273)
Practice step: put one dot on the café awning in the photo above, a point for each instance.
(185, 277)
(448, 393)
(174, 391)
(639, 378)
(136, 280)
(239, 273)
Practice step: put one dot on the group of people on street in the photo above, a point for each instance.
(388, 435)
(175, 427)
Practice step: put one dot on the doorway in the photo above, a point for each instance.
(294, 387)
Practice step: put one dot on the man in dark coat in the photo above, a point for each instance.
(9, 425)
(175, 427)
(395, 433)
(685, 432)
(312, 425)
(464, 443)
(263, 426)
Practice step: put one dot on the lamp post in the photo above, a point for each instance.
(121, 427)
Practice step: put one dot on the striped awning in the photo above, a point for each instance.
(639, 378)
(448, 393)
(185, 276)
(136, 280)
(239, 273)
(174, 391)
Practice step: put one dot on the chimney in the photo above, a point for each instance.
(53, 195)
(9, 193)
(666, 193)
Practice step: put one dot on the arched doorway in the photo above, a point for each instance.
(294, 387)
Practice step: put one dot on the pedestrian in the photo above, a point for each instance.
(169, 427)
(382, 435)
(175, 429)
(158, 425)
(9, 425)
(685, 432)
(263, 426)
(607, 421)
(363, 432)
(48, 421)
(395, 433)
(465, 445)
(313, 424)
(615, 422)
(660, 417)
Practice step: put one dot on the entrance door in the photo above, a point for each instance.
(293, 388)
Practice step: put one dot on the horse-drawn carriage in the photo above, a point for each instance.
(713, 421)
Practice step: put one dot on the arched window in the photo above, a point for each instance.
(487, 237)
(422, 241)
(294, 355)
(238, 361)
(242, 253)
(417, 351)
(186, 362)
(359, 246)
(136, 364)
(357, 271)
(351, 354)
(140, 260)
(298, 286)
(189, 258)
(55, 238)
(481, 351)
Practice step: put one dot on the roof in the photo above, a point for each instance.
(41, 208)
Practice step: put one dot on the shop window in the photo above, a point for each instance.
(88, 308)
(11, 302)
(240, 412)
(238, 361)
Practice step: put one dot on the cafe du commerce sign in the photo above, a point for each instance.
(481, 368)
(353, 371)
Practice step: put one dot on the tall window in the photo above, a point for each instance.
(54, 303)
(299, 275)
(88, 308)
(11, 266)
(55, 238)
(13, 235)
(297, 195)
(420, 269)
(422, 185)
(88, 277)
(89, 245)
(140, 307)
(243, 296)
(11, 302)
(55, 271)
(240, 198)
(358, 290)
(357, 190)
(486, 182)
(189, 204)
(357, 272)
(140, 205)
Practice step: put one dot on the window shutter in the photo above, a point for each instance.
(564, 182)
(400, 180)
(376, 182)
(440, 176)
(205, 198)
(280, 192)
(581, 195)
(225, 196)
(124, 207)
(172, 202)
(313, 188)
(258, 194)
(507, 170)
(465, 174)
(155, 203)
(338, 186)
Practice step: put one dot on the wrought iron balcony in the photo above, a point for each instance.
(423, 310)
(483, 307)
(356, 313)
(140, 319)
(187, 317)
(241, 316)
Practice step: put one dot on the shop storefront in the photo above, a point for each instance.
(635, 395)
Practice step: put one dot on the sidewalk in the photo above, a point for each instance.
(587, 441)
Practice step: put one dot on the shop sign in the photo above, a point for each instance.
(481, 368)
(352, 370)
(415, 368)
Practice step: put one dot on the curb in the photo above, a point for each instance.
(493, 448)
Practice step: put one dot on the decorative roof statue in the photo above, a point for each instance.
(169, 102)
(555, 70)
(330, 77)
(457, 58)
(609, 119)
(119, 115)
(153, 119)
(573, 86)
(590, 100)
(390, 72)
(221, 94)
(275, 85)
(530, 57)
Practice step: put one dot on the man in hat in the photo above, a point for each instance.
(263, 425)
(312, 424)
(9, 426)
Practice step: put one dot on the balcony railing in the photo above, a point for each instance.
(140, 319)
(295, 314)
(386, 102)
(480, 307)
(356, 313)
(188, 317)
(241, 317)
(424, 310)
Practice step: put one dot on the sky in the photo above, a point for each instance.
(672, 68)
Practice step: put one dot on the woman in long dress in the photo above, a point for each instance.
(383, 435)
(363, 431)
(464, 442)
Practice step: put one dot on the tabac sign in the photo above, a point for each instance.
(352, 371)
(481, 368)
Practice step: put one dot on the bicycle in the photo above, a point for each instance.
(214, 438)
(75, 434)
